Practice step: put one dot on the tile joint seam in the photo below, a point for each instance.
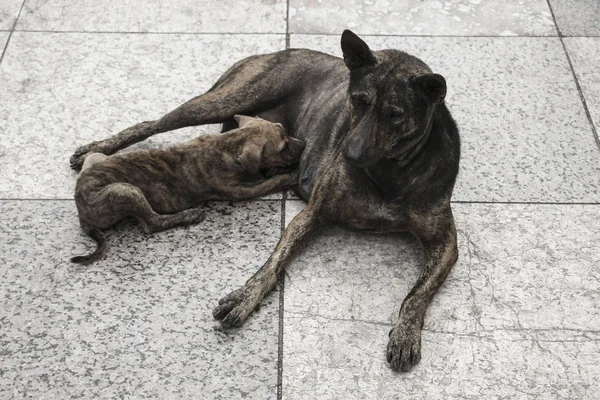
(10, 32)
(281, 278)
(286, 199)
(574, 74)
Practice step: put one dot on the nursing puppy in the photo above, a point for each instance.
(160, 187)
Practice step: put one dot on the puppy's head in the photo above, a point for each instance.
(266, 145)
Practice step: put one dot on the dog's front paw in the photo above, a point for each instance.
(234, 308)
(404, 347)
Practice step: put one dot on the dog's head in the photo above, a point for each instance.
(392, 97)
(266, 145)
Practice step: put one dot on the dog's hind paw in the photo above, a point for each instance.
(79, 155)
(404, 347)
(76, 162)
(235, 308)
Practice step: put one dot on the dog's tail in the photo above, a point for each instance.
(100, 239)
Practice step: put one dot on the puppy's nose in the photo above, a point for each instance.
(298, 143)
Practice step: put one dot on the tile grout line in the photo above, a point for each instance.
(72, 199)
(539, 203)
(426, 36)
(11, 32)
(287, 25)
(283, 200)
(287, 33)
(281, 281)
(281, 278)
(150, 33)
(579, 90)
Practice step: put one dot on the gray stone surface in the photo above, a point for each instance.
(225, 16)
(525, 136)
(3, 39)
(516, 318)
(64, 90)
(438, 18)
(585, 56)
(577, 17)
(138, 323)
(9, 9)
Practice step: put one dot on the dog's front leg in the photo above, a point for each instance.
(234, 308)
(439, 240)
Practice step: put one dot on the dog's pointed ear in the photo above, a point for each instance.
(250, 158)
(243, 120)
(433, 86)
(356, 52)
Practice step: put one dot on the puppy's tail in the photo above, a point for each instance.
(100, 239)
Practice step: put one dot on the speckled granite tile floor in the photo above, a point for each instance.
(517, 318)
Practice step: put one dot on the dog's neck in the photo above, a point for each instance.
(389, 174)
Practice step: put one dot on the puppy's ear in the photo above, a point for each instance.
(433, 86)
(250, 158)
(356, 52)
(243, 120)
(282, 144)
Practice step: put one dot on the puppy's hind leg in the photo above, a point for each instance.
(120, 200)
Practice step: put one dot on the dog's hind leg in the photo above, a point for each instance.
(234, 308)
(92, 159)
(246, 88)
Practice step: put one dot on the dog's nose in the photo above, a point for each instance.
(352, 154)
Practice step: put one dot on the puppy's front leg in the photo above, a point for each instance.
(440, 248)
(272, 184)
(234, 308)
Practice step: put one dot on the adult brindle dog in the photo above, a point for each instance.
(382, 154)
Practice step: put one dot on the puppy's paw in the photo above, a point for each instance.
(235, 308)
(194, 215)
(404, 347)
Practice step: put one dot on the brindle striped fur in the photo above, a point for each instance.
(160, 187)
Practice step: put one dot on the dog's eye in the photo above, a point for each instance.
(396, 114)
(359, 100)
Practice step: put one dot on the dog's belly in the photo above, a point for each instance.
(376, 221)
(323, 134)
